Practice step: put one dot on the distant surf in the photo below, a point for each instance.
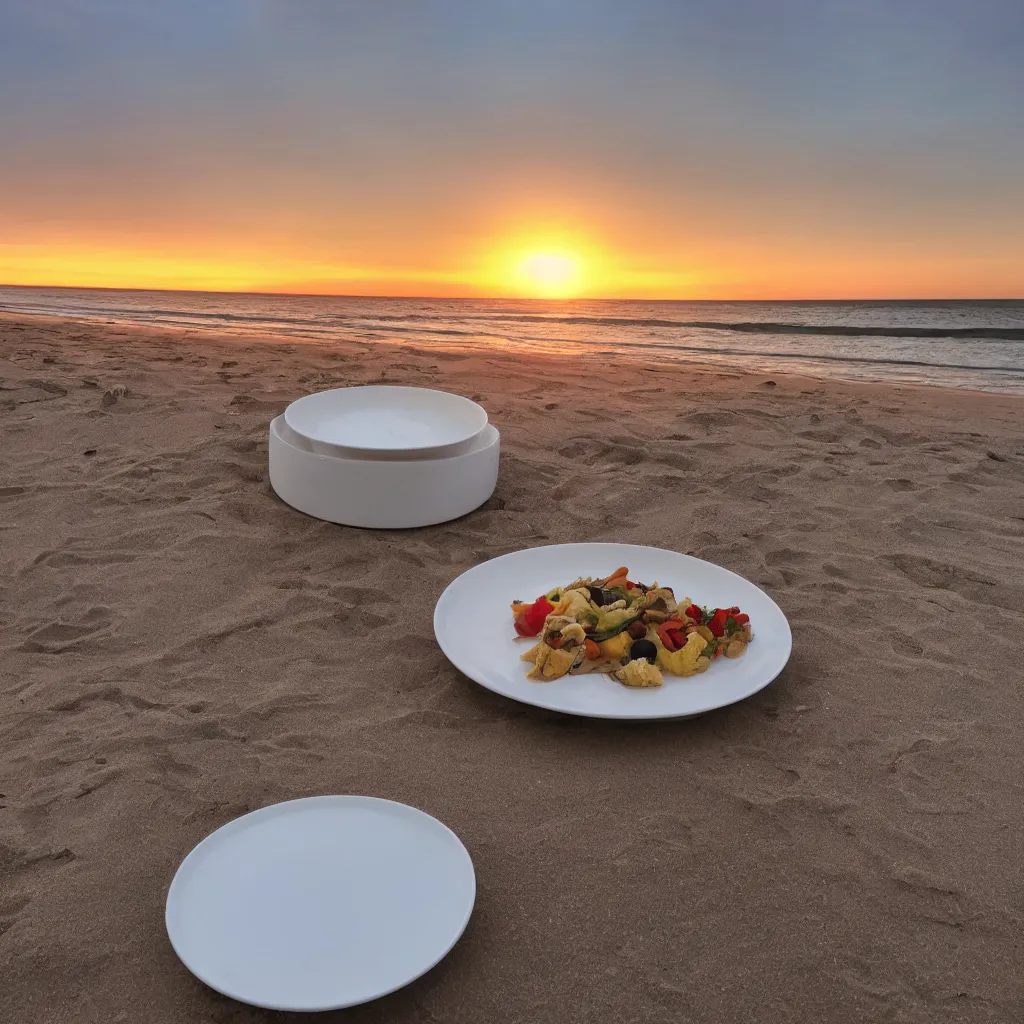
(962, 343)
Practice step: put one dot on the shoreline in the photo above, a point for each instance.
(178, 647)
(487, 351)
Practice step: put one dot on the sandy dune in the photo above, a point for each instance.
(178, 647)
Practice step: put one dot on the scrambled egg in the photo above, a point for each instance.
(640, 673)
(574, 603)
(552, 664)
(684, 661)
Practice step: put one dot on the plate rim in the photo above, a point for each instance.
(267, 811)
(445, 446)
(608, 545)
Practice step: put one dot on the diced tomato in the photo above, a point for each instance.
(741, 618)
(694, 612)
(717, 621)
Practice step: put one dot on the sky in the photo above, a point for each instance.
(652, 149)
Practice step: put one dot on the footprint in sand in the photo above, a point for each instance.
(969, 584)
(785, 556)
(929, 573)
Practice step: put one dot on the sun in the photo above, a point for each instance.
(554, 275)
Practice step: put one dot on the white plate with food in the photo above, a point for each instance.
(612, 631)
(320, 903)
(385, 422)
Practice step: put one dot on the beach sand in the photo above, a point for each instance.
(178, 647)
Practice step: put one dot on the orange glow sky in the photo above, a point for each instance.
(667, 151)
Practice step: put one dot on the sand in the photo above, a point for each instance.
(178, 647)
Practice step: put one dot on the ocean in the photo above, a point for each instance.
(961, 343)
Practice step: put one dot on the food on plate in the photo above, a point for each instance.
(631, 631)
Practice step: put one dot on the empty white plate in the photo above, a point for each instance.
(320, 903)
(381, 421)
(473, 625)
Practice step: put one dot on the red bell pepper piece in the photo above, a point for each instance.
(531, 621)
(669, 633)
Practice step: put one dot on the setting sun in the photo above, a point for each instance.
(549, 274)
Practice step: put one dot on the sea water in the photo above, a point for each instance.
(960, 343)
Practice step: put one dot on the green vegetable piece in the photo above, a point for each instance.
(599, 638)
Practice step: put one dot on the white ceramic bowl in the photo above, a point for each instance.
(383, 422)
(383, 494)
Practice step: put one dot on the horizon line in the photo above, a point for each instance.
(493, 298)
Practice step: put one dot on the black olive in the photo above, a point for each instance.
(597, 595)
(643, 649)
